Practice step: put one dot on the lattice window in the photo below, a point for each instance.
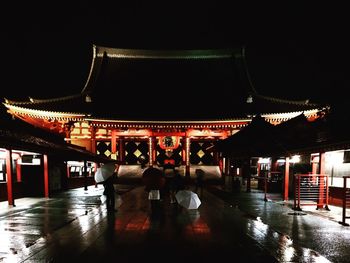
(133, 151)
(103, 148)
(199, 155)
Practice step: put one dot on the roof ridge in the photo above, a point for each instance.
(38, 101)
(168, 53)
(296, 102)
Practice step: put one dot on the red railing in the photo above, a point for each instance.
(346, 200)
(310, 190)
(267, 182)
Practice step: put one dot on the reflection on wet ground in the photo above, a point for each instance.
(74, 226)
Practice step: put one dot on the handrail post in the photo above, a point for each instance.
(295, 194)
(344, 217)
(265, 186)
(327, 194)
(344, 200)
(299, 192)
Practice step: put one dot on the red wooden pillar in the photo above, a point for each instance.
(321, 180)
(93, 139)
(322, 163)
(183, 151)
(10, 198)
(46, 176)
(286, 180)
(68, 171)
(154, 152)
(121, 150)
(113, 143)
(18, 171)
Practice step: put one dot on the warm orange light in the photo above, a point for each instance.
(169, 142)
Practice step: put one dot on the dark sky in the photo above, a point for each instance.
(293, 51)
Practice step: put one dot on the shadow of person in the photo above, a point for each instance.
(110, 227)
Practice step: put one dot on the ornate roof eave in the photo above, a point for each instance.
(111, 123)
(61, 116)
(284, 101)
(228, 123)
(74, 116)
(39, 101)
(278, 117)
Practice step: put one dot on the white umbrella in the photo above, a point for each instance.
(104, 172)
(188, 199)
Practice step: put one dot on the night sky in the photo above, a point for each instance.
(293, 51)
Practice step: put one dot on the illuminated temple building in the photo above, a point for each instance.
(157, 107)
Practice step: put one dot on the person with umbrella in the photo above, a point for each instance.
(104, 175)
(110, 194)
(154, 182)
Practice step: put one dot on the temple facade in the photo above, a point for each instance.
(162, 108)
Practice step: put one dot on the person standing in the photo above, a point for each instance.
(177, 185)
(110, 194)
(199, 181)
(154, 198)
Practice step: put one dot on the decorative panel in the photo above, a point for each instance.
(174, 154)
(134, 150)
(103, 148)
(199, 155)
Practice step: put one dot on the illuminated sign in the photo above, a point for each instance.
(169, 142)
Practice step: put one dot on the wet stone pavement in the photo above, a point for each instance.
(74, 226)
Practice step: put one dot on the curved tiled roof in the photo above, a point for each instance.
(127, 84)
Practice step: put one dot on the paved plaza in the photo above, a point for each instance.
(240, 226)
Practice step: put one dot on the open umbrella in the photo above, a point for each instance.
(153, 178)
(104, 172)
(188, 199)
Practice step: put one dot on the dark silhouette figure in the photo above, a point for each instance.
(179, 182)
(199, 181)
(176, 184)
(154, 198)
(110, 194)
(236, 185)
(143, 161)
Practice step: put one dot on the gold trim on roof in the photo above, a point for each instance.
(45, 114)
(169, 122)
(281, 116)
(165, 126)
(288, 115)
